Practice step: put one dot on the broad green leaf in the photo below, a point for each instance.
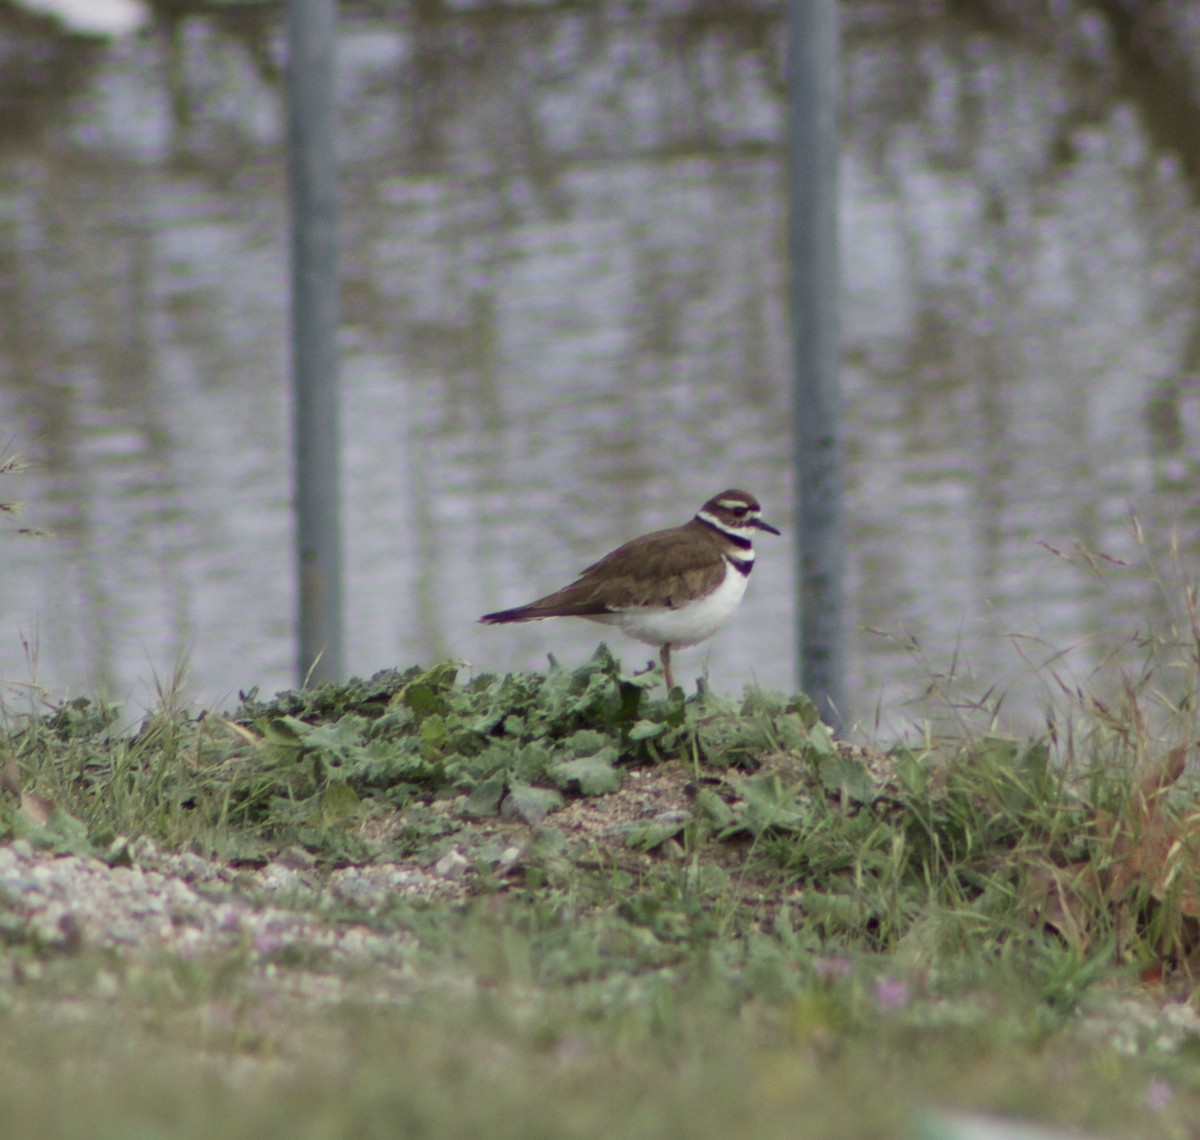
(532, 804)
(647, 836)
(339, 804)
(849, 779)
(63, 834)
(769, 805)
(647, 730)
(594, 775)
(586, 742)
(485, 799)
(710, 805)
(281, 732)
(433, 731)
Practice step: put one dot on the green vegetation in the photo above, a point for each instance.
(667, 917)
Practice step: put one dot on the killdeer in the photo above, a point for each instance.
(672, 588)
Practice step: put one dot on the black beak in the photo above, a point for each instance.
(763, 525)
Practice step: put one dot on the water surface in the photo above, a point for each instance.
(565, 324)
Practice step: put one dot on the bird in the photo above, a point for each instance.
(672, 588)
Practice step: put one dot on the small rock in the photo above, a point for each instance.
(275, 878)
(297, 858)
(452, 865)
(13, 887)
(509, 858)
(358, 890)
(191, 867)
(143, 850)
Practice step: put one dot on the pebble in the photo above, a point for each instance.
(189, 905)
(452, 865)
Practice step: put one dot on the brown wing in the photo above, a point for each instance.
(665, 568)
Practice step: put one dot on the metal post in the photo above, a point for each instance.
(313, 180)
(812, 33)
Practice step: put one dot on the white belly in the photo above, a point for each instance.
(688, 625)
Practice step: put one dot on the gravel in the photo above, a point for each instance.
(186, 905)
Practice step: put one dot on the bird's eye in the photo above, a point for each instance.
(740, 512)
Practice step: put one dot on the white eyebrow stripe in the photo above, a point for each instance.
(738, 532)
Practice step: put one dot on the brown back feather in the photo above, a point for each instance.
(634, 574)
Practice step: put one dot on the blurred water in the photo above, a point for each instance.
(565, 325)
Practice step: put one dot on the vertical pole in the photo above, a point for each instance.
(812, 44)
(313, 183)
